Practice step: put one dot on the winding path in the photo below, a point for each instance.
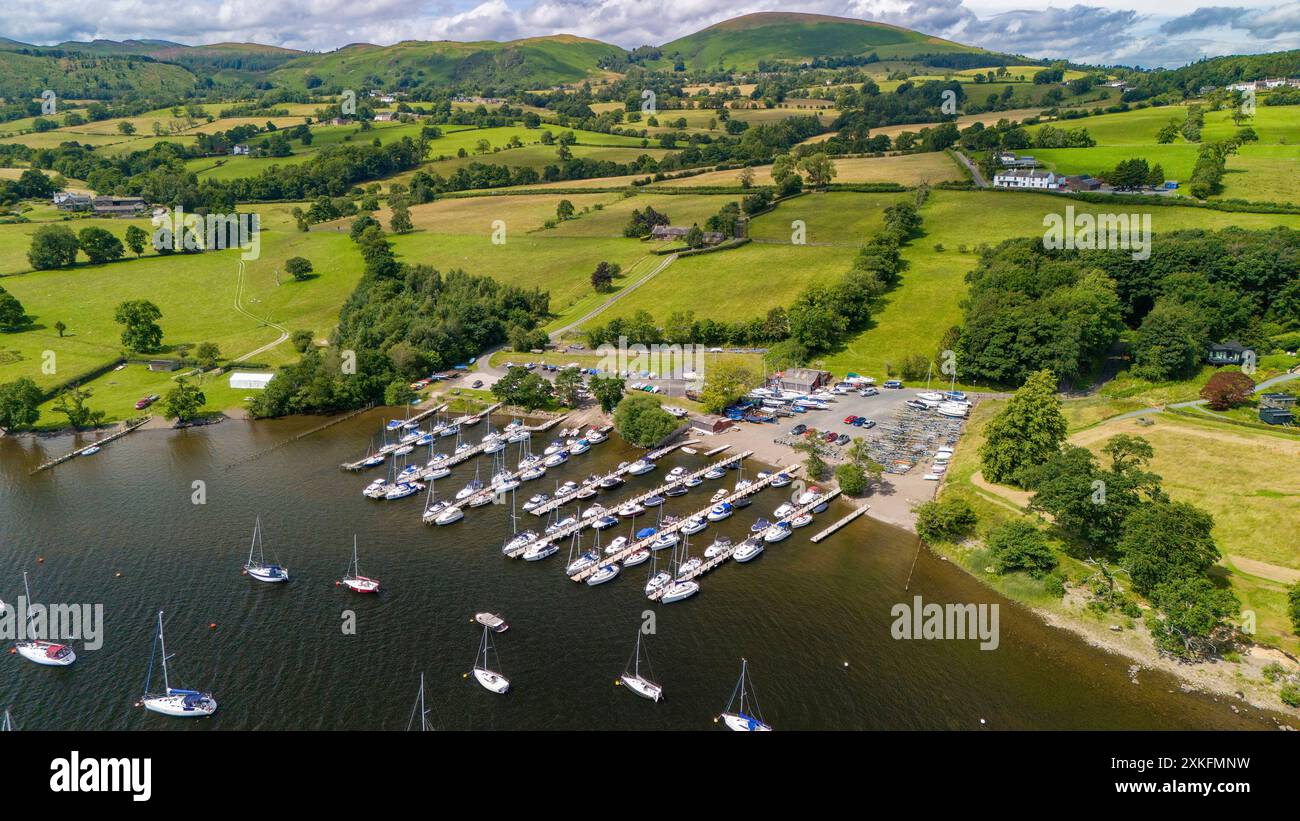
(284, 332)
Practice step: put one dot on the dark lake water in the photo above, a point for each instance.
(278, 658)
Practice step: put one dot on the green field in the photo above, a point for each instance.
(927, 301)
(1260, 171)
(829, 219)
(196, 294)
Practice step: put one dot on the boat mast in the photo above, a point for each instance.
(162, 645)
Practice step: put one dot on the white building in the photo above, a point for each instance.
(248, 381)
(1040, 180)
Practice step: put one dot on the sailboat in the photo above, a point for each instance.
(46, 653)
(432, 507)
(603, 573)
(353, 580)
(489, 678)
(258, 568)
(7, 724)
(680, 588)
(517, 539)
(928, 396)
(423, 711)
(740, 720)
(637, 683)
(171, 701)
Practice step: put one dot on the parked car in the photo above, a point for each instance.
(864, 422)
(868, 392)
(830, 437)
(478, 383)
(798, 430)
(850, 420)
(893, 385)
(842, 439)
(146, 402)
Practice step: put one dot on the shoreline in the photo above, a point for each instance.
(1218, 678)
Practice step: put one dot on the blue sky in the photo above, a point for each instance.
(1141, 32)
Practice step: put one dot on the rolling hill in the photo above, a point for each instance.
(89, 76)
(536, 62)
(743, 41)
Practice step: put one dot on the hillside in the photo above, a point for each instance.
(532, 63)
(87, 76)
(743, 41)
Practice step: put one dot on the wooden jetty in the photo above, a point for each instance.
(97, 443)
(841, 523)
(717, 450)
(641, 544)
(419, 417)
(710, 564)
(542, 510)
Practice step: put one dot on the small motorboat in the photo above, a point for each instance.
(930, 396)
(504, 483)
(748, 550)
(637, 558)
(375, 490)
(492, 622)
(402, 489)
(449, 515)
(616, 545)
(678, 489)
(594, 436)
(715, 473)
(654, 500)
(688, 568)
(469, 490)
(373, 460)
(537, 501)
(678, 590)
(585, 492)
(611, 481)
(580, 446)
(759, 526)
(665, 540)
(801, 521)
(659, 580)
(778, 532)
(784, 510)
(556, 459)
(719, 495)
(606, 521)
(720, 545)
(404, 450)
(540, 551)
(556, 527)
(532, 473)
(693, 481)
(720, 511)
(781, 480)
(630, 510)
(449, 430)
(675, 473)
(604, 574)
(694, 525)
(494, 446)
(529, 461)
(641, 466)
(555, 447)
(434, 473)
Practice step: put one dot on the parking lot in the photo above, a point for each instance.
(881, 408)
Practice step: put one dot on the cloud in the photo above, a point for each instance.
(1085, 33)
(1263, 23)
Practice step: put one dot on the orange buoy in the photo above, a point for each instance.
(212, 626)
(40, 560)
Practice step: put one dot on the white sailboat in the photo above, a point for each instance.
(257, 568)
(38, 651)
(483, 672)
(172, 701)
(740, 719)
(353, 580)
(637, 683)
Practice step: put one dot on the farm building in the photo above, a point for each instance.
(118, 206)
(1038, 180)
(385, 117)
(245, 380)
(1082, 182)
(1231, 352)
(666, 232)
(67, 201)
(709, 424)
(1276, 408)
(1009, 159)
(804, 380)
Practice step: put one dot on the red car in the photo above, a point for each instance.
(849, 420)
(146, 402)
(830, 437)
